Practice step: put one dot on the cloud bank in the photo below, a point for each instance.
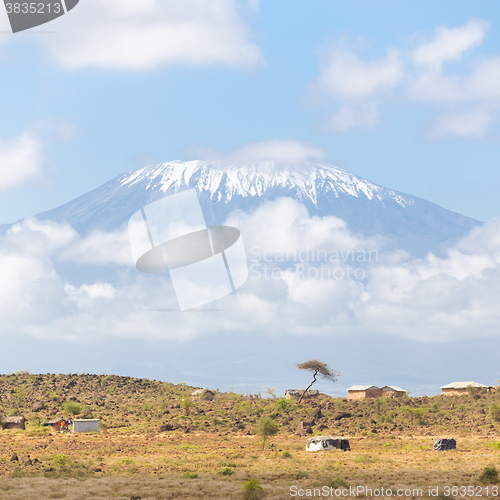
(147, 34)
(309, 276)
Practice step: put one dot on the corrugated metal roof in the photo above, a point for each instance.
(361, 387)
(392, 388)
(462, 385)
(200, 392)
(298, 392)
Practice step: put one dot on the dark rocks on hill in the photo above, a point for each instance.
(166, 428)
(339, 415)
(38, 406)
(304, 428)
(14, 457)
(317, 414)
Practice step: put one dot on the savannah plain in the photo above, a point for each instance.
(156, 443)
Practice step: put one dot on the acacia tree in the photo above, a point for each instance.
(317, 368)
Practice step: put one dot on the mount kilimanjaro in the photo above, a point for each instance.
(410, 223)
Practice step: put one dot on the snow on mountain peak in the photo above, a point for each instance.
(224, 180)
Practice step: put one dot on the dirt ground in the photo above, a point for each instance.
(117, 465)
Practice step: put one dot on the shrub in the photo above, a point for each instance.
(191, 475)
(417, 414)
(54, 397)
(287, 454)
(282, 403)
(72, 408)
(495, 412)
(266, 427)
(252, 489)
(489, 475)
(226, 471)
(186, 404)
(34, 421)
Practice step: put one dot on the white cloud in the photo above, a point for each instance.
(85, 295)
(466, 102)
(430, 299)
(450, 44)
(273, 149)
(143, 35)
(344, 75)
(464, 124)
(21, 160)
(350, 115)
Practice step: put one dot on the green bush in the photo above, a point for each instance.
(54, 397)
(252, 490)
(287, 454)
(72, 408)
(495, 412)
(190, 475)
(226, 471)
(186, 404)
(282, 403)
(489, 475)
(266, 427)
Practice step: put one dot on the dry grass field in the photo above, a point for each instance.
(210, 449)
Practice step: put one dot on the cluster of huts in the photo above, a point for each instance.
(358, 392)
(77, 425)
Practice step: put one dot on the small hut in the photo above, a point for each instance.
(294, 394)
(85, 425)
(358, 392)
(392, 391)
(14, 423)
(461, 388)
(202, 395)
(53, 425)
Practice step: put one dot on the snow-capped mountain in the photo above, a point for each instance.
(412, 223)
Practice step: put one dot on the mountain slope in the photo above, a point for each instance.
(410, 222)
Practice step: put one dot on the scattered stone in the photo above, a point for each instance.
(26, 460)
(97, 469)
(339, 415)
(317, 414)
(14, 457)
(38, 406)
(303, 429)
(166, 428)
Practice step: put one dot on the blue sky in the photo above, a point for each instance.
(405, 94)
(94, 116)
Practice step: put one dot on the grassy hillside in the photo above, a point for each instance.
(130, 404)
(158, 444)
